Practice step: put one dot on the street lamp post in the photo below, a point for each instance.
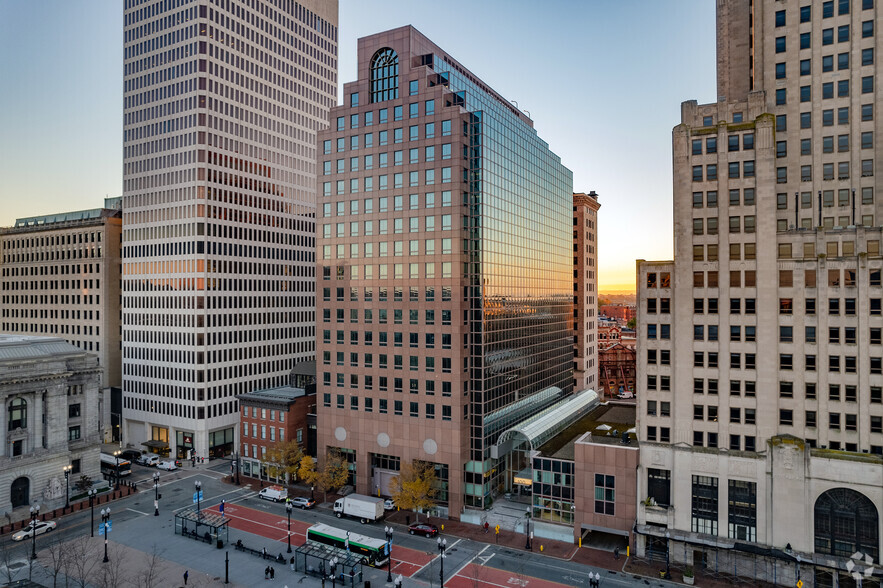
(442, 546)
(527, 544)
(35, 514)
(105, 521)
(198, 486)
(67, 484)
(156, 494)
(288, 510)
(399, 580)
(92, 493)
(312, 493)
(388, 531)
(116, 471)
(334, 562)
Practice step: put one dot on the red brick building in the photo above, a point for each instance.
(618, 367)
(268, 417)
(619, 312)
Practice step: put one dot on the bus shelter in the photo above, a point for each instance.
(206, 525)
(315, 560)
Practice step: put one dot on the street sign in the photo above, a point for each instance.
(799, 584)
(197, 496)
(101, 527)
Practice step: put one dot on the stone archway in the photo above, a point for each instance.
(846, 522)
(20, 492)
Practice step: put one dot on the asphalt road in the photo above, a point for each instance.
(467, 564)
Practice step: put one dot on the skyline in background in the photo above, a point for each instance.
(607, 108)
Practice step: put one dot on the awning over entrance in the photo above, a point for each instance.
(155, 444)
(524, 477)
(544, 425)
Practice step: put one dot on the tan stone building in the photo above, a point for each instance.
(60, 277)
(585, 290)
(759, 354)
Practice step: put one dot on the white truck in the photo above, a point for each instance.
(274, 493)
(365, 508)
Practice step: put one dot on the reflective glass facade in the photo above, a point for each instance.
(445, 268)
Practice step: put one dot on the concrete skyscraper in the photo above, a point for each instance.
(760, 356)
(444, 286)
(223, 101)
(585, 290)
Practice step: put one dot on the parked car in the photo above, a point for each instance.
(31, 530)
(168, 465)
(626, 395)
(427, 529)
(389, 504)
(132, 455)
(274, 493)
(301, 502)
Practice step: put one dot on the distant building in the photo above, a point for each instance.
(620, 312)
(270, 417)
(60, 277)
(618, 365)
(50, 394)
(585, 290)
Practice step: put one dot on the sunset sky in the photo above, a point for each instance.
(603, 82)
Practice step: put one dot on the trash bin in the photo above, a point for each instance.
(367, 583)
(220, 544)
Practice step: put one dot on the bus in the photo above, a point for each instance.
(109, 466)
(375, 552)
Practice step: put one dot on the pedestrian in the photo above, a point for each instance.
(486, 528)
(616, 553)
(272, 573)
(292, 563)
(263, 553)
(267, 573)
(186, 575)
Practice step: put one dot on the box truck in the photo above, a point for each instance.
(359, 506)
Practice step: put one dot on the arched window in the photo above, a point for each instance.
(18, 414)
(384, 75)
(20, 492)
(846, 522)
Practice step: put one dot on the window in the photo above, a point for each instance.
(780, 71)
(843, 34)
(781, 96)
(806, 93)
(780, 18)
(843, 61)
(742, 509)
(384, 74)
(845, 521)
(806, 13)
(704, 502)
(868, 28)
(18, 414)
(805, 67)
(780, 44)
(605, 494)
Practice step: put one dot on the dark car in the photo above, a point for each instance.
(426, 529)
(132, 455)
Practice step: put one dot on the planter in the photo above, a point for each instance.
(688, 580)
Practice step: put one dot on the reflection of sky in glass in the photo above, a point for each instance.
(519, 268)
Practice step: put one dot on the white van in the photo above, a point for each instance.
(274, 493)
(149, 459)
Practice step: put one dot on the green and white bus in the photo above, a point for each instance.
(374, 551)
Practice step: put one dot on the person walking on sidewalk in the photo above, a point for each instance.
(486, 528)
(272, 573)
(186, 575)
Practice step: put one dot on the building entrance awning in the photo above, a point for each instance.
(524, 477)
(156, 444)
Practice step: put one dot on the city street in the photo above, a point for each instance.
(148, 548)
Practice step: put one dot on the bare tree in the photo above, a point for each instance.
(9, 557)
(476, 574)
(149, 575)
(112, 573)
(57, 556)
(80, 561)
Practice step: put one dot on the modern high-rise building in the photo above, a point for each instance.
(60, 277)
(444, 285)
(760, 356)
(585, 291)
(223, 101)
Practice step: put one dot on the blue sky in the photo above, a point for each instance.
(602, 80)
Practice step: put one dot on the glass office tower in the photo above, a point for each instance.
(223, 101)
(445, 271)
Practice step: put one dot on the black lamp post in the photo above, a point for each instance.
(527, 544)
(388, 531)
(334, 562)
(116, 475)
(312, 493)
(198, 486)
(398, 581)
(105, 520)
(92, 493)
(67, 485)
(288, 510)
(35, 514)
(156, 494)
(442, 546)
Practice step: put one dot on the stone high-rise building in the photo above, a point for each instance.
(223, 101)
(760, 356)
(585, 291)
(444, 285)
